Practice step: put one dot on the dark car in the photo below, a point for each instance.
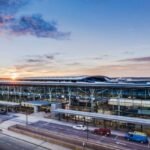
(102, 131)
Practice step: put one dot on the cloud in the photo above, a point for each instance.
(97, 58)
(128, 53)
(74, 64)
(51, 56)
(46, 58)
(33, 24)
(105, 56)
(33, 60)
(138, 59)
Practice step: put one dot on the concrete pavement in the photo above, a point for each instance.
(11, 143)
(20, 119)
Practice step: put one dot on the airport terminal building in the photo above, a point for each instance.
(98, 94)
(122, 96)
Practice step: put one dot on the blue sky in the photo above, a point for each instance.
(74, 37)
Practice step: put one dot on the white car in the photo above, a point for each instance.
(80, 127)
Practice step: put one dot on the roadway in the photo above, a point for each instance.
(6, 117)
(7, 143)
(10, 143)
(69, 131)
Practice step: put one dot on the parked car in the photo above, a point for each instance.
(137, 137)
(80, 127)
(102, 131)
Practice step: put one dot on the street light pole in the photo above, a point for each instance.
(87, 131)
(26, 117)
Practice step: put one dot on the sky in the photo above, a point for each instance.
(74, 37)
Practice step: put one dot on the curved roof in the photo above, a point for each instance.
(68, 78)
(81, 81)
(75, 84)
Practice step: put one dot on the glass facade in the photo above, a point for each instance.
(120, 101)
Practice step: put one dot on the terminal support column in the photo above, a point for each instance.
(50, 94)
(8, 92)
(69, 95)
(15, 93)
(33, 91)
(20, 95)
(36, 109)
(119, 93)
(92, 98)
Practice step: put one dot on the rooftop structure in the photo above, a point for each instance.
(81, 81)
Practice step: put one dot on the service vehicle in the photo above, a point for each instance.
(137, 137)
